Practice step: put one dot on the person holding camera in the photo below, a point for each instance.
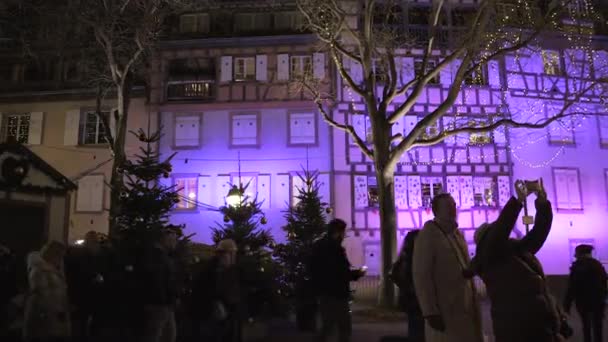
(522, 308)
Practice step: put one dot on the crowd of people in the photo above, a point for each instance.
(85, 294)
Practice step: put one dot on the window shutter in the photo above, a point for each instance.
(356, 71)
(324, 188)
(398, 127)
(249, 183)
(302, 128)
(358, 122)
(467, 199)
(112, 122)
(500, 136)
(281, 191)
(319, 65)
(297, 184)
(414, 192)
(264, 191)
(89, 197)
(244, 130)
(361, 192)
(187, 130)
(226, 69)
(407, 70)
(504, 190)
(72, 126)
(204, 195)
(283, 67)
(222, 186)
(401, 192)
(261, 68)
(446, 75)
(36, 126)
(453, 188)
(409, 122)
(603, 125)
(561, 189)
(574, 190)
(494, 74)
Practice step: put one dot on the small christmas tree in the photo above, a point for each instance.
(242, 221)
(145, 203)
(305, 224)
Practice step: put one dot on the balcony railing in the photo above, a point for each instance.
(194, 90)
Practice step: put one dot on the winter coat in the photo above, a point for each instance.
(216, 284)
(158, 278)
(587, 285)
(522, 308)
(87, 275)
(440, 257)
(330, 269)
(47, 311)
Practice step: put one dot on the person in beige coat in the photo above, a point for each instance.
(47, 310)
(447, 299)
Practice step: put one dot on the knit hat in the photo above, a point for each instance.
(583, 249)
(227, 245)
(481, 232)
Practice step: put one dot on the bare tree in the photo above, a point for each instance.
(366, 43)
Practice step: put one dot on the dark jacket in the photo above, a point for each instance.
(87, 275)
(215, 283)
(330, 269)
(522, 309)
(158, 281)
(587, 285)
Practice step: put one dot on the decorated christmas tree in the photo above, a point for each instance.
(305, 224)
(145, 202)
(242, 219)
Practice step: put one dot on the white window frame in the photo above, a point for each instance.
(429, 180)
(300, 66)
(21, 137)
(99, 136)
(303, 139)
(493, 192)
(552, 64)
(602, 128)
(187, 192)
(244, 68)
(200, 23)
(567, 172)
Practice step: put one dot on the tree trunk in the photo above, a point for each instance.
(388, 232)
(117, 178)
(385, 169)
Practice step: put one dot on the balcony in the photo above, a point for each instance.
(191, 91)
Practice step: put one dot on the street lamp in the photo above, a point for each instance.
(234, 197)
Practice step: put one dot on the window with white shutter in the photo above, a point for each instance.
(15, 127)
(248, 182)
(187, 190)
(91, 129)
(551, 62)
(187, 130)
(300, 66)
(89, 198)
(297, 183)
(567, 189)
(602, 122)
(302, 129)
(244, 69)
(244, 130)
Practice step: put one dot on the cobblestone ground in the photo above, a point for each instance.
(368, 327)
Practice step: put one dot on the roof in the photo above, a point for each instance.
(61, 184)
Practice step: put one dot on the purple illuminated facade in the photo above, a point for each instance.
(224, 97)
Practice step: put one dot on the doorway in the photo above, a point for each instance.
(22, 230)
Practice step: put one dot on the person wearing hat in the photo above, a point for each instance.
(522, 308)
(587, 289)
(216, 296)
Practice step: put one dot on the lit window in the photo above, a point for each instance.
(92, 131)
(430, 187)
(186, 189)
(484, 192)
(244, 68)
(300, 66)
(551, 63)
(481, 138)
(479, 76)
(16, 127)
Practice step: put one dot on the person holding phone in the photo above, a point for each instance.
(331, 276)
(522, 308)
